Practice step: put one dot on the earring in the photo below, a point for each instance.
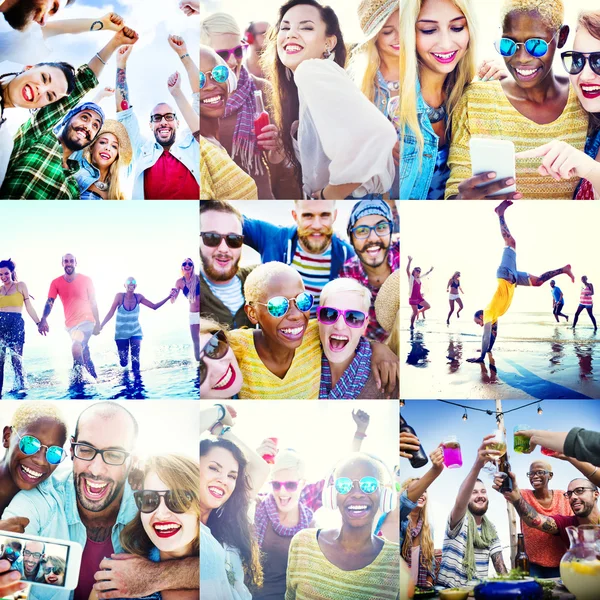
(288, 73)
(327, 52)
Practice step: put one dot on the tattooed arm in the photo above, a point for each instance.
(121, 89)
(43, 324)
(533, 518)
(498, 563)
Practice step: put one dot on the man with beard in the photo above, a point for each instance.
(370, 231)
(39, 166)
(471, 539)
(255, 36)
(92, 504)
(77, 294)
(583, 498)
(165, 168)
(221, 278)
(310, 246)
(33, 554)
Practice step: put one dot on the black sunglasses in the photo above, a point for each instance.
(212, 239)
(215, 349)
(148, 501)
(187, 264)
(574, 62)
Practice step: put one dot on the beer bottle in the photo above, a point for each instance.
(521, 560)
(504, 467)
(419, 458)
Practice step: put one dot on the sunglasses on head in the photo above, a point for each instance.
(30, 445)
(574, 62)
(215, 349)
(290, 486)
(329, 316)
(536, 47)
(219, 74)
(148, 501)
(212, 239)
(278, 306)
(367, 485)
(238, 52)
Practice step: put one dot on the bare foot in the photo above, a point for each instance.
(501, 208)
(567, 271)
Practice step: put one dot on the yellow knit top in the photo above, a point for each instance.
(484, 111)
(300, 382)
(310, 576)
(221, 178)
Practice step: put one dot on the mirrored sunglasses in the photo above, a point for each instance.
(219, 74)
(215, 349)
(147, 501)
(328, 316)
(367, 485)
(30, 445)
(278, 306)
(536, 47)
(574, 62)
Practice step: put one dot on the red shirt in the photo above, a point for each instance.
(562, 523)
(75, 296)
(93, 553)
(170, 179)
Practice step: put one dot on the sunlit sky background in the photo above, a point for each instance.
(432, 420)
(178, 432)
(151, 61)
(465, 237)
(111, 241)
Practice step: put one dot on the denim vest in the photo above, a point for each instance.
(87, 175)
(415, 183)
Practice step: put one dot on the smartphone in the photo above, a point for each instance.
(490, 154)
(42, 561)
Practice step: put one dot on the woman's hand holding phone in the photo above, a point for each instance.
(480, 187)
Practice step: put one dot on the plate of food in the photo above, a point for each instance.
(424, 593)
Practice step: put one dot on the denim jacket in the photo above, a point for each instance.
(147, 152)
(51, 508)
(415, 183)
(406, 506)
(86, 176)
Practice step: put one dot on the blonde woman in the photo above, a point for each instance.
(100, 163)
(374, 64)
(437, 63)
(189, 284)
(417, 548)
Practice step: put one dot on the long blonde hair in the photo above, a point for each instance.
(427, 549)
(363, 66)
(456, 82)
(114, 186)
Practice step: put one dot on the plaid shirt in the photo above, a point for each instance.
(353, 268)
(36, 168)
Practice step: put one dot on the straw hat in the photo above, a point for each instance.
(119, 131)
(387, 302)
(373, 14)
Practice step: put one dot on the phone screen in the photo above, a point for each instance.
(38, 562)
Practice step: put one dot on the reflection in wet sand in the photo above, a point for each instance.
(418, 352)
(455, 351)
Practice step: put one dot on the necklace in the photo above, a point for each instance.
(435, 114)
(101, 185)
(393, 86)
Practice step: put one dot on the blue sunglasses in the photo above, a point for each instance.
(536, 47)
(220, 74)
(30, 445)
(367, 485)
(279, 305)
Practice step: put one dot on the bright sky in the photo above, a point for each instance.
(151, 61)
(465, 237)
(432, 420)
(268, 10)
(487, 15)
(111, 241)
(151, 440)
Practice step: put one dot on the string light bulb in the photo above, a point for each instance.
(401, 403)
(465, 416)
(540, 411)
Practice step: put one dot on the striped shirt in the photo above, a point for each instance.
(230, 293)
(310, 576)
(452, 573)
(128, 321)
(484, 111)
(585, 298)
(315, 272)
(300, 382)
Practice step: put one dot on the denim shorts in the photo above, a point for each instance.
(508, 268)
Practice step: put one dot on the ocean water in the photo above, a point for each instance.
(168, 370)
(533, 357)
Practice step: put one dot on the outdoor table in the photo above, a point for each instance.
(559, 593)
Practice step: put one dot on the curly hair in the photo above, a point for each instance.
(231, 525)
(257, 280)
(30, 412)
(552, 13)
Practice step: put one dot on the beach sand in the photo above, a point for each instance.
(535, 358)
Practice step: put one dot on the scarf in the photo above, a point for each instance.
(353, 380)
(244, 138)
(476, 540)
(266, 512)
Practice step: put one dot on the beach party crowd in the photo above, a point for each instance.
(318, 318)
(110, 501)
(548, 114)
(471, 540)
(275, 544)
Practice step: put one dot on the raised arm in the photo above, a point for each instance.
(122, 91)
(361, 419)
(179, 46)
(111, 312)
(109, 22)
(416, 488)
(124, 36)
(152, 305)
(28, 306)
(189, 114)
(408, 266)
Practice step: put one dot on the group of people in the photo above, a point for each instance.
(261, 546)
(288, 111)
(116, 509)
(82, 318)
(68, 149)
(553, 119)
(471, 539)
(259, 338)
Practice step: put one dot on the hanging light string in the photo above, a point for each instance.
(493, 412)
